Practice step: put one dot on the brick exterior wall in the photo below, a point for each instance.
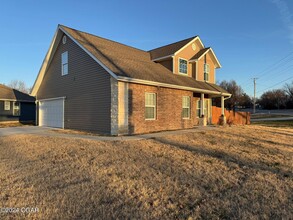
(169, 109)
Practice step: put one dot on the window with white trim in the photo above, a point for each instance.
(206, 72)
(186, 107)
(64, 64)
(16, 108)
(150, 106)
(6, 105)
(182, 66)
(198, 108)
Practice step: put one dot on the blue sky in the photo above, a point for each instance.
(249, 37)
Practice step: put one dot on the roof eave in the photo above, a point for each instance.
(194, 39)
(218, 65)
(44, 65)
(153, 83)
(47, 59)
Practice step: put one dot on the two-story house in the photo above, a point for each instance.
(91, 83)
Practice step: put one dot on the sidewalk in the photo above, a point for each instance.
(51, 132)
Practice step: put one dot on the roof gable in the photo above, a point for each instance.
(203, 52)
(170, 49)
(119, 60)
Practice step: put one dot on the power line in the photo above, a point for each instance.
(276, 65)
(284, 70)
(276, 84)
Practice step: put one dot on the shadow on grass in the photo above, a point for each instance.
(231, 134)
(225, 157)
(281, 133)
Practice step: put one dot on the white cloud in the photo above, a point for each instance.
(286, 16)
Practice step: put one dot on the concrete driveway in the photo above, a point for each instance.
(23, 130)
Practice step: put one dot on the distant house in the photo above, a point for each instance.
(91, 83)
(16, 105)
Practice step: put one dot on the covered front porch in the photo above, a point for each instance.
(204, 107)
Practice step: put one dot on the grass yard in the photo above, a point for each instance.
(260, 116)
(285, 123)
(14, 124)
(238, 172)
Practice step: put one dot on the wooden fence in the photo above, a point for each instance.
(237, 118)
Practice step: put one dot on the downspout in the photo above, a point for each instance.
(37, 112)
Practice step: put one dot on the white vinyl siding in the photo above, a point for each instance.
(182, 66)
(150, 106)
(185, 107)
(16, 108)
(64, 64)
(6, 105)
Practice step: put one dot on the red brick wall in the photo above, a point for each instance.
(240, 118)
(169, 109)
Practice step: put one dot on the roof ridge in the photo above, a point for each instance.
(173, 43)
(7, 87)
(104, 38)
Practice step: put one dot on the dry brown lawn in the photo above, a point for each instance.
(13, 124)
(227, 173)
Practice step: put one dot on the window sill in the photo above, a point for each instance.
(150, 119)
(184, 74)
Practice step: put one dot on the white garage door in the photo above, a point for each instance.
(51, 113)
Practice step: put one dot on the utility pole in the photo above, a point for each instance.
(254, 97)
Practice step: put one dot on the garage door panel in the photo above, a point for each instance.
(51, 113)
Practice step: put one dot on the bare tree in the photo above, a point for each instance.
(238, 98)
(288, 88)
(274, 99)
(19, 85)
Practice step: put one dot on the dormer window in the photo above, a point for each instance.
(182, 66)
(206, 72)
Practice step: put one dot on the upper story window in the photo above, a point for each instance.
(186, 107)
(64, 63)
(182, 66)
(206, 72)
(150, 106)
(16, 108)
(6, 105)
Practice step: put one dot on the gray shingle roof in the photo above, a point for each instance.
(169, 49)
(134, 63)
(13, 94)
(200, 53)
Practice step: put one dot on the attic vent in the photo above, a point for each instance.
(193, 46)
(64, 39)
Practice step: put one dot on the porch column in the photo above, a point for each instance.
(202, 120)
(222, 105)
(223, 117)
(201, 104)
